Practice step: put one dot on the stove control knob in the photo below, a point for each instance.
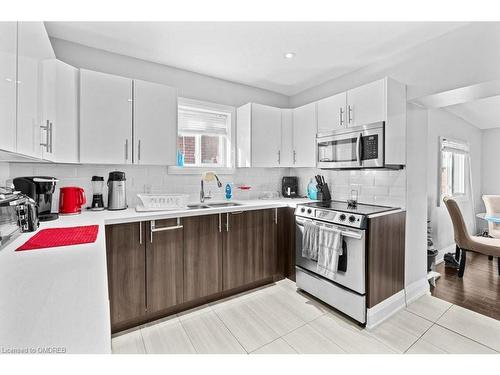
(309, 211)
(302, 209)
(352, 219)
(342, 217)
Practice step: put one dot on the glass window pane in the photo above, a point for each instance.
(210, 150)
(186, 144)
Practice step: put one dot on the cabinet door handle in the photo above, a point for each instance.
(350, 113)
(46, 128)
(341, 116)
(279, 156)
(140, 232)
(154, 229)
(275, 216)
(227, 221)
(126, 149)
(139, 151)
(294, 156)
(220, 223)
(51, 131)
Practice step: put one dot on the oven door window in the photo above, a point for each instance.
(341, 150)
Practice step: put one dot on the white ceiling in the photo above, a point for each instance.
(482, 113)
(252, 53)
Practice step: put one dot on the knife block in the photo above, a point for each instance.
(324, 193)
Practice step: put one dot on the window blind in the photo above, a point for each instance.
(192, 120)
(454, 145)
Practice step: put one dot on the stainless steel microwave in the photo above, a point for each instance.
(350, 148)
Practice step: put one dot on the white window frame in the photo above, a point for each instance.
(462, 148)
(229, 154)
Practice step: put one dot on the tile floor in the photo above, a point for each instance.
(279, 320)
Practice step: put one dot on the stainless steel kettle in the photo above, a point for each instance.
(117, 196)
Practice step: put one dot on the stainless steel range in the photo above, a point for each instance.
(346, 288)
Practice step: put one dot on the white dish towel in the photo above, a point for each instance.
(310, 241)
(330, 248)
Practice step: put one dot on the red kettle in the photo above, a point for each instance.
(71, 200)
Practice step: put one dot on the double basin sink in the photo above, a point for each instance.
(198, 206)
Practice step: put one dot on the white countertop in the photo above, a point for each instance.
(58, 297)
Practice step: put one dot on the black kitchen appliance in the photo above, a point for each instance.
(290, 187)
(40, 189)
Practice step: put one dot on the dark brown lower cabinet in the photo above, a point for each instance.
(202, 256)
(242, 249)
(164, 265)
(286, 242)
(385, 257)
(126, 257)
(270, 243)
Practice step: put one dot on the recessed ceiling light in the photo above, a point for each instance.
(289, 55)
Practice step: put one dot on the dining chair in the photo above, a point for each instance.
(465, 242)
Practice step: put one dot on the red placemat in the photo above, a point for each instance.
(54, 237)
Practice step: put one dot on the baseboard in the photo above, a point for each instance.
(417, 289)
(388, 307)
(385, 309)
(441, 252)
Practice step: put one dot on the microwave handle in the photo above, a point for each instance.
(358, 149)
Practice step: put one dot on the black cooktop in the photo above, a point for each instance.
(362, 209)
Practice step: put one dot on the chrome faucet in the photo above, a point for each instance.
(207, 177)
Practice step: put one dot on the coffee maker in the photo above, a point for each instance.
(40, 189)
(290, 187)
(97, 197)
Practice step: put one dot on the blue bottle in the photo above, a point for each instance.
(312, 191)
(180, 158)
(229, 191)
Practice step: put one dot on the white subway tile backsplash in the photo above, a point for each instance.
(385, 187)
(397, 192)
(375, 190)
(153, 179)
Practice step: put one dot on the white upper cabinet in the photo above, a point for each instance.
(65, 126)
(59, 112)
(266, 136)
(105, 118)
(366, 104)
(47, 100)
(33, 49)
(273, 137)
(125, 121)
(258, 136)
(8, 68)
(155, 123)
(286, 138)
(332, 113)
(304, 135)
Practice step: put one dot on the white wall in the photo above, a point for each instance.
(443, 123)
(190, 85)
(489, 161)
(141, 179)
(416, 193)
